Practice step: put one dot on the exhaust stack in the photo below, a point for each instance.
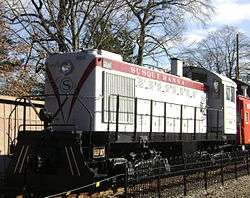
(176, 67)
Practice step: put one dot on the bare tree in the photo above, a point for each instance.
(217, 51)
(60, 25)
(11, 59)
(47, 26)
(67, 25)
(158, 24)
(111, 31)
(5, 63)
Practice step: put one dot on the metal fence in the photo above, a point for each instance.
(190, 176)
(187, 173)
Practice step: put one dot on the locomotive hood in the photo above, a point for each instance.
(202, 75)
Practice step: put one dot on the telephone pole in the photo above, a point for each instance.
(237, 57)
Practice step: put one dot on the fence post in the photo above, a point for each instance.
(185, 183)
(159, 186)
(221, 170)
(126, 181)
(247, 164)
(185, 177)
(235, 165)
(205, 178)
(158, 179)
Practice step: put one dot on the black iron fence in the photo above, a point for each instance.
(190, 176)
(186, 174)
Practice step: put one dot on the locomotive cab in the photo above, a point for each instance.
(221, 101)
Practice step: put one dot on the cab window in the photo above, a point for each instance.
(230, 93)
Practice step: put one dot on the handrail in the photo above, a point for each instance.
(26, 101)
(17, 103)
(172, 103)
(9, 118)
(51, 125)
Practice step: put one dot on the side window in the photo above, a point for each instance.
(232, 94)
(246, 117)
(228, 93)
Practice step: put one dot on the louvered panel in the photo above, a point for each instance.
(124, 87)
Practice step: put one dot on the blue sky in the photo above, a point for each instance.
(227, 12)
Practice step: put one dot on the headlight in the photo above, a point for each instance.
(98, 152)
(66, 68)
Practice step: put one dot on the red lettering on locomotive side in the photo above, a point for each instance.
(154, 75)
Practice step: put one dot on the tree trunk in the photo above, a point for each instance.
(61, 24)
(141, 46)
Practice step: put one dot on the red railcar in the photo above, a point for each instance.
(243, 125)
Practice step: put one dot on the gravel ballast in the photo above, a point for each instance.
(239, 188)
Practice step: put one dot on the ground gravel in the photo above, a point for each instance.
(239, 188)
(233, 188)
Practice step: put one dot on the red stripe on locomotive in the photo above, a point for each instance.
(154, 75)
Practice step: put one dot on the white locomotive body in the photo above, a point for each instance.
(90, 88)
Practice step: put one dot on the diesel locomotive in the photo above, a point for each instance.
(101, 113)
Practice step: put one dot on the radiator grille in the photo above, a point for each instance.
(114, 85)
